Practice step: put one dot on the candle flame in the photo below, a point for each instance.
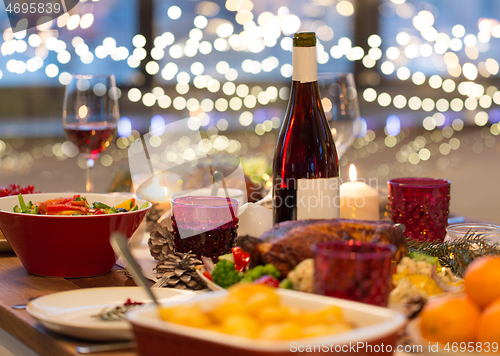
(353, 176)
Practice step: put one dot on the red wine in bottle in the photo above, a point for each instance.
(305, 167)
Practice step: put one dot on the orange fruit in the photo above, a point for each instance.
(482, 280)
(488, 329)
(449, 319)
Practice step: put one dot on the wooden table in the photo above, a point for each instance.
(19, 287)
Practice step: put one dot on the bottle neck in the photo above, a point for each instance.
(305, 64)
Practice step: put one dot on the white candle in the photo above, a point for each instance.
(357, 199)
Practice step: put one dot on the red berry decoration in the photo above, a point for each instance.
(16, 189)
(4, 191)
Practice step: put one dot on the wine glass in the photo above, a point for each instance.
(90, 116)
(340, 103)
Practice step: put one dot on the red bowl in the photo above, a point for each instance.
(67, 246)
(376, 331)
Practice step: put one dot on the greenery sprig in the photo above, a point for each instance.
(456, 255)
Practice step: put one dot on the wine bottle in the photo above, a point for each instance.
(305, 167)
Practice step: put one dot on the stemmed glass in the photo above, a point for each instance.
(340, 103)
(90, 116)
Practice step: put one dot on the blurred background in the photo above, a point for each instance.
(426, 74)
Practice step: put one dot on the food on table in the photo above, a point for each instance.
(258, 271)
(179, 269)
(472, 317)
(16, 189)
(227, 273)
(224, 274)
(127, 204)
(302, 276)
(305, 159)
(482, 280)
(256, 311)
(288, 243)
(488, 327)
(268, 280)
(240, 258)
(450, 319)
(77, 205)
(419, 275)
(117, 313)
(286, 284)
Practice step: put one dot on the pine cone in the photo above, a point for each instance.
(152, 218)
(180, 270)
(160, 241)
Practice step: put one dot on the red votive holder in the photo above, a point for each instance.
(421, 205)
(204, 225)
(354, 270)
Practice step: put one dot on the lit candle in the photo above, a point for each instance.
(357, 199)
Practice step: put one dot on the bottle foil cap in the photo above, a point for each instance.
(304, 39)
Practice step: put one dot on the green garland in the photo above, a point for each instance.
(456, 255)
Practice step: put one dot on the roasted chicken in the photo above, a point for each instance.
(289, 243)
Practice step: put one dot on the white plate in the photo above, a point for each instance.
(70, 312)
(211, 285)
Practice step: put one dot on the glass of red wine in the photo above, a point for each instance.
(90, 116)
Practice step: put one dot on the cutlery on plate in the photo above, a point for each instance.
(160, 283)
(105, 347)
(19, 306)
(120, 246)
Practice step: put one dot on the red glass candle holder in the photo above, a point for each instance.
(354, 270)
(205, 225)
(421, 205)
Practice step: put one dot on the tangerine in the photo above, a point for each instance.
(482, 280)
(449, 319)
(488, 329)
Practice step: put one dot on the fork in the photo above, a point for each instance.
(160, 283)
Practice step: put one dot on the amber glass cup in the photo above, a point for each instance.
(421, 205)
(354, 270)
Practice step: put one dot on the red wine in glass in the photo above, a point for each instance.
(92, 138)
(90, 116)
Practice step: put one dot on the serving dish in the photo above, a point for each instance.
(70, 312)
(66, 246)
(375, 325)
